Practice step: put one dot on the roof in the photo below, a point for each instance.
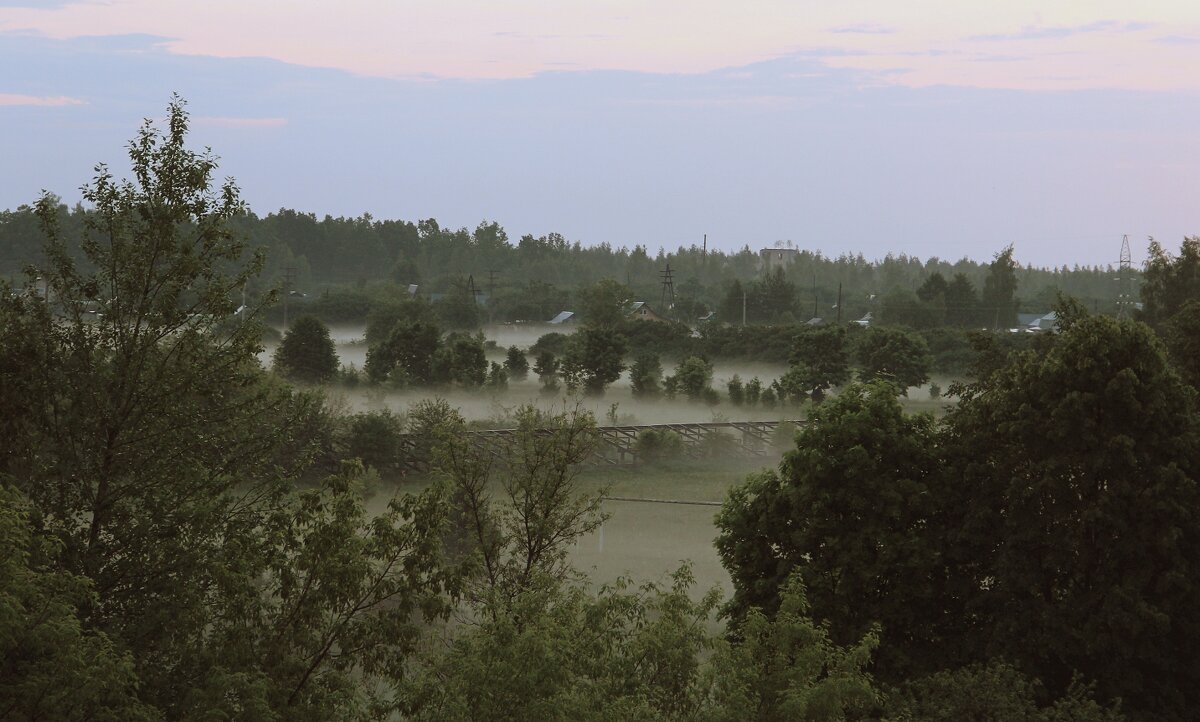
(633, 307)
(562, 317)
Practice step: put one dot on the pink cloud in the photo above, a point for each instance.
(45, 101)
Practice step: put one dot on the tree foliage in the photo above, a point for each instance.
(894, 355)
(307, 353)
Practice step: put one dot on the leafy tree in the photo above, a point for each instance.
(901, 307)
(546, 367)
(516, 364)
(730, 310)
(852, 524)
(894, 355)
(307, 352)
(161, 463)
(962, 303)
(461, 360)
(53, 668)
(497, 377)
(1170, 282)
(374, 437)
(561, 653)
(754, 391)
(406, 356)
(603, 303)
(384, 316)
(819, 361)
(1078, 540)
(646, 375)
(654, 446)
(736, 390)
(933, 288)
(693, 376)
(785, 666)
(1182, 337)
(996, 691)
(999, 303)
(524, 536)
(593, 359)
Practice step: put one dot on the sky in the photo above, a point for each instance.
(944, 128)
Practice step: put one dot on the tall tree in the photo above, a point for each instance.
(853, 524)
(1170, 281)
(998, 303)
(819, 361)
(594, 359)
(1079, 543)
(307, 353)
(895, 355)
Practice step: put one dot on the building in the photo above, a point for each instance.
(563, 317)
(771, 258)
(641, 311)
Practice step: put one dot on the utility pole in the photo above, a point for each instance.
(668, 288)
(815, 303)
(743, 308)
(1125, 280)
(839, 306)
(289, 274)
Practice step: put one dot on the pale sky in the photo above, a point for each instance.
(932, 127)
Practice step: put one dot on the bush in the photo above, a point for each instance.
(374, 437)
(307, 353)
(655, 446)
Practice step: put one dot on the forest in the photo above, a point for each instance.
(185, 530)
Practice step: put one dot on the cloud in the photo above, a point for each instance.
(1032, 32)
(1177, 40)
(225, 122)
(43, 101)
(863, 29)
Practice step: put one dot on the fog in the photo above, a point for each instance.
(486, 405)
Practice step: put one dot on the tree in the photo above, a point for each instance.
(160, 463)
(999, 303)
(603, 303)
(1170, 282)
(461, 360)
(645, 376)
(458, 309)
(516, 364)
(894, 355)
(1182, 337)
(736, 390)
(407, 355)
(849, 513)
(693, 378)
(54, 667)
(819, 362)
(933, 288)
(962, 303)
(307, 353)
(785, 666)
(546, 367)
(594, 359)
(1078, 543)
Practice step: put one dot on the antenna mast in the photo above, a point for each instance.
(668, 288)
(1125, 281)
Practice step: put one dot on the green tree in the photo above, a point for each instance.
(458, 308)
(374, 437)
(819, 362)
(785, 666)
(160, 462)
(962, 303)
(53, 667)
(406, 355)
(736, 390)
(645, 377)
(1170, 281)
(603, 303)
(594, 359)
(853, 524)
(1078, 542)
(307, 353)
(516, 364)
(895, 355)
(693, 378)
(546, 367)
(1182, 337)
(999, 303)
(461, 360)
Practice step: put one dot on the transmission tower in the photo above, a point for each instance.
(668, 288)
(1125, 281)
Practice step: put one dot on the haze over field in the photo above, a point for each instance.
(854, 127)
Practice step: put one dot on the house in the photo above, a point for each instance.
(865, 320)
(563, 317)
(641, 311)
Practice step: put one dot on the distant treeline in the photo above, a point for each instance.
(533, 278)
